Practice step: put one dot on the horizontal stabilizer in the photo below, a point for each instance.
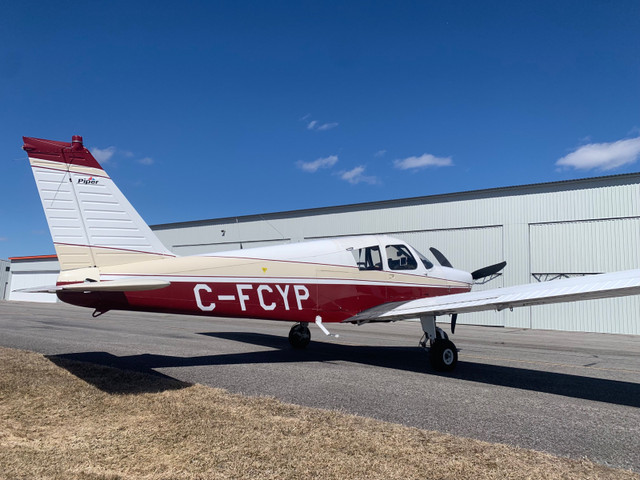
(606, 285)
(42, 289)
(128, 285)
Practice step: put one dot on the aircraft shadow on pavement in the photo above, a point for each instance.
(416, 360)
(399, 358)
(114, 375)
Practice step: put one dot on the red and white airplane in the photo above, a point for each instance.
(111, 260)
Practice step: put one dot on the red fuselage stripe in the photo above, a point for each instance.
(295, 301)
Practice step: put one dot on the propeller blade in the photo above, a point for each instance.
(488, 271)
(454, 317)
(442, 260)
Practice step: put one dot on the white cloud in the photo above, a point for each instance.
(102, 155)
(314, 166)
(3, 239)
(424, 160)
(317, 126)
(603, 156)
(327, 126)
(380, 153)
(355, 175)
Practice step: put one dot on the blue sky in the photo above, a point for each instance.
(215, 109)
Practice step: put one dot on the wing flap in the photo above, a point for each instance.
(605, 285)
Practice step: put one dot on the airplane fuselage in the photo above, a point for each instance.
(294, 282)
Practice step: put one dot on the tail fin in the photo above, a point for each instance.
(91, 221)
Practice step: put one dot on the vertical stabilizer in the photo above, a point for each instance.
(91, 222)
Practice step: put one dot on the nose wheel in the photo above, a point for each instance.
(443, 355)
(299, 336)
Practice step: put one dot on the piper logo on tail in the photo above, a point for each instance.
(88, 181)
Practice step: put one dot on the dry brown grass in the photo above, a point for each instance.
(53, 425)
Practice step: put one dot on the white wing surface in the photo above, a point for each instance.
(606, 285)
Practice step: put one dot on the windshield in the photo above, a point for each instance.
(399, 258)
(425, 261)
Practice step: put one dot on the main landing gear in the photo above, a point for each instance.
(299, 335)
(443, 354)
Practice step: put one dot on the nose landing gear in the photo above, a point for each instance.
(443, 354)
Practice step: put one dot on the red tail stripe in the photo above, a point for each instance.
(59, 152)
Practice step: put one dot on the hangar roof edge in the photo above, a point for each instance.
(34, 257)
(561, 185)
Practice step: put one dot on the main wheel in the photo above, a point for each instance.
(443, 355)
(299, 335)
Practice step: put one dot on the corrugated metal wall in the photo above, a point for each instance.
(581, 226)
(586, 247)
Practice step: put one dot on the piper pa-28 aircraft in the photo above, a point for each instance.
(111, 260)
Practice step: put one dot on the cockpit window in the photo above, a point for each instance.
(368, 258)
(399, 258)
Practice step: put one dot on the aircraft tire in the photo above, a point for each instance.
(443, 355)
(299, 336)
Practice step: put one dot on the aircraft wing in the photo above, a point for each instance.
(128, 285)
(604, 285)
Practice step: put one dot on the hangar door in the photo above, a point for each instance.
(467, 249)
(21, 280)
(586, 247)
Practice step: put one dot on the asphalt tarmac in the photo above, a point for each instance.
(569, 394)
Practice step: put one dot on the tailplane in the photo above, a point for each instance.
(91, 222)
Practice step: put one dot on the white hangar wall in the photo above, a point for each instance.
(563, 228)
